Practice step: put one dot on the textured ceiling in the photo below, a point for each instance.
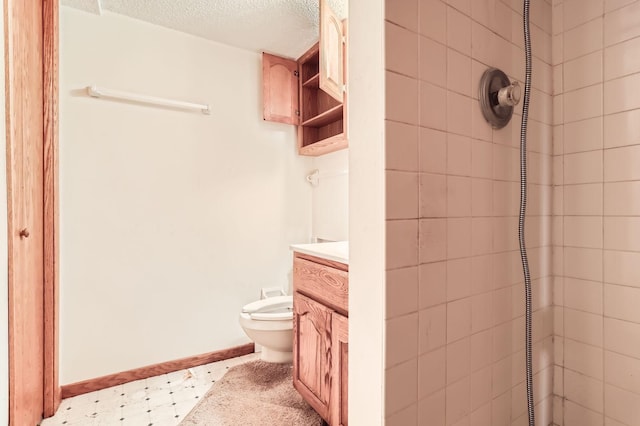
(284, 27)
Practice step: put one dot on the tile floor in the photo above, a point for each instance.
(159, 401)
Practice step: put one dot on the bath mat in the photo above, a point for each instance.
(257, 393)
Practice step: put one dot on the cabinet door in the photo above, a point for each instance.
(279, 89)
(331, 52)
(340, 367)
(312, 352)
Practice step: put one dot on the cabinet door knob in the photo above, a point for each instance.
(24, 233)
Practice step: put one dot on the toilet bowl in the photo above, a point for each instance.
(269, 323)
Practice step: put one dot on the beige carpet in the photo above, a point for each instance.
(256, 393)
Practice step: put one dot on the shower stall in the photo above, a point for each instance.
(456, 299)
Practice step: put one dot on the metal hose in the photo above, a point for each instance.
(522, 215)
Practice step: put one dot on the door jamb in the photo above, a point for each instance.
(50, 40)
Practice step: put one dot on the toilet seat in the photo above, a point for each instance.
(279, 308)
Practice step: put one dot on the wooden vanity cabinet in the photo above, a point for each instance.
(320, 335)
(310, 92)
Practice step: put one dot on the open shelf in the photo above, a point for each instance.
(312, 82)
(332, 115)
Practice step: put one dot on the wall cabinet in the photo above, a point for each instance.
(320, 335)
(310, 92)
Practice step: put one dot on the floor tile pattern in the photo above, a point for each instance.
(157, 401)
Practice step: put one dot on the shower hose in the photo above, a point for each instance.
(522, 214)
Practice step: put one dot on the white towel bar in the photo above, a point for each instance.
(101, 92)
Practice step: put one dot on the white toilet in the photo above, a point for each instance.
(269, 323)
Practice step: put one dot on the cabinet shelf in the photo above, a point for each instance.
(313, 82)
(330, 116)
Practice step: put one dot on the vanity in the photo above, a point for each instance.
(321, 327)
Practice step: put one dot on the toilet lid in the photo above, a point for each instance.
(277, 308)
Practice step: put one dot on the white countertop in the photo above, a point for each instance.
(337, 251)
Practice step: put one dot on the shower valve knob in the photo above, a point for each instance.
(510, 95)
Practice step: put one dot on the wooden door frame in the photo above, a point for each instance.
(49, 27)
(50, 40)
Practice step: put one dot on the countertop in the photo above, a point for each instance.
(337, 251)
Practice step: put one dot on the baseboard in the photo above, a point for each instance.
(103, 382)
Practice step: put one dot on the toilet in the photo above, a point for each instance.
(269, 323)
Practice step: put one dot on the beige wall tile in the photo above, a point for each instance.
(482, 197)
(583, 71)
(402, 243)
(401, 385)
(402, 98)
(405, 60)
(575, 414)
(433, 284)
(583, 295)
(458, 113)
(458, 155)
(584, 135)
(577, 12)
(432, 328)
(432, 369)
(459, 72)
(584, 167)
(584, 390)
(622, 199)
(583, 231)
(583, 263)
(481, 235)
(401, 146)
(584, 359)
(402, 291)
(619, 94)
(583, 39)
(580, 200)
(433, 20)
(458, 196)
(433, 195)
(481, 312)
(621, 302)
(458, 31)
(402, 339)
(584, 103)
(431, 410)
(622, 59)
(432, 98)
(583, 327)
(433, 61)
(402, 195)
(622, 129)
(458, 360)
(458, 401)
(458, 319)
(622, 337)
(622, 24)
(622, 405)
(403, 13)
(432, 240)
(458, 278)
(622, 267)
(622, 164)
(433, 151)
(406, 416)
(622, 371)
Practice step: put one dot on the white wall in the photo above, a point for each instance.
(170, 221)
(366, 212)
(4, 272)
(330, 199)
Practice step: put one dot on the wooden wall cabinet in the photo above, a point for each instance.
(321, 336)
(310, 92)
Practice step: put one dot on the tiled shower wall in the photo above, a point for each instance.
(455, 298)
(596, 227)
